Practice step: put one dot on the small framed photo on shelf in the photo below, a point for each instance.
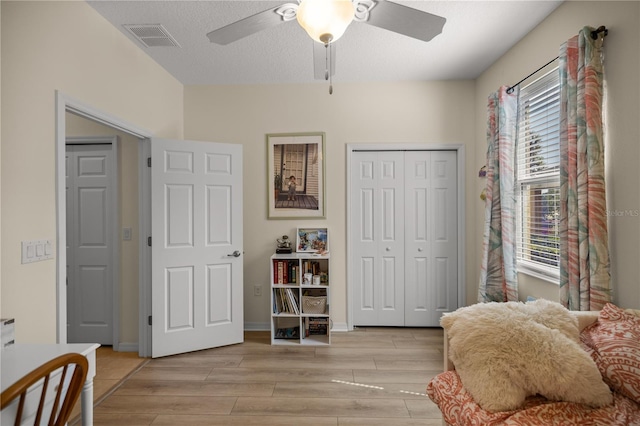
(312, 240)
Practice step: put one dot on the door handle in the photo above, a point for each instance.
(388, 249)
(234, 254)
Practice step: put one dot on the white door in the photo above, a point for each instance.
(404, 237)
(90, 176)
(378, 238)
(197, 276)
(431, 236)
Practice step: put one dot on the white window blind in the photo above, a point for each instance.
(538, 175)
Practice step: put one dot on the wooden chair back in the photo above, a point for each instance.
(63, 403)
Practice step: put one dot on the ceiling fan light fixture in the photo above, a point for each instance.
(325, 20)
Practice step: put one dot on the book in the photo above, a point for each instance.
(316, 326)
(285, 301)
(293, 301)
(317, 330)
(279, 275)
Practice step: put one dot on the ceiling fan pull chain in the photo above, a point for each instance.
(327, 65)
(326, 61)
(330, 76)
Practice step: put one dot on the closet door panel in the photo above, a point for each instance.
(418, 237)
(390, 259)
(377, 233)
(445, 241)
(364, 234)
(431, 237)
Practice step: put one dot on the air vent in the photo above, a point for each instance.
(152, 35)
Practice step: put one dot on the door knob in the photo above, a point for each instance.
(388, 249)
(420, 249)
(234, 254)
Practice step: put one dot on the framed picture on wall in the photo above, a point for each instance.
(312, 240)
(295, 175)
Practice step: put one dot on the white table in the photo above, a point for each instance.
(19, 359)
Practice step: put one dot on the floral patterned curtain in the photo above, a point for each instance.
(584, 253)
(498, 273)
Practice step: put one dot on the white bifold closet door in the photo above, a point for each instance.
(404, 235)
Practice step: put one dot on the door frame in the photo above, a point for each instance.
(65, 104)
(114, 211)
(460, 163)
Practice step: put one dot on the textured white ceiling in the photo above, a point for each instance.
(475, 35)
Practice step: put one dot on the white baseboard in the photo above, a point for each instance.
(257, 326)
(339, 327)
(128, 347)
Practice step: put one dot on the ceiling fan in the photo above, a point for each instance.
(326, 21)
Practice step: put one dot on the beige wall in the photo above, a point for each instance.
(413, 112)
(65, 46)
(128, 218)
(622, 68)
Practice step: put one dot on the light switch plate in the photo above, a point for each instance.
(37, 250)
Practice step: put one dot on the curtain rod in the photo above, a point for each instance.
(594, 35)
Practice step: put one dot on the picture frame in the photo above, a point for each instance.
(295, 175)
(312, 240)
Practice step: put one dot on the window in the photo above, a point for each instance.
(538, 177)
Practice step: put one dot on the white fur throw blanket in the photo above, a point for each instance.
(504, 352)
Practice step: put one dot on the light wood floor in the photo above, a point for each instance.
(111, 369)
(371, 376)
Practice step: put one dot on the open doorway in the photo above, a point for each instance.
(97, 301)
(93, 197)
(220, 178)
(74, 118)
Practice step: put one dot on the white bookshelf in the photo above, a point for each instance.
(295, 315)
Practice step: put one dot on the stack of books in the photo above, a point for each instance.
(285, 271)
(311, 266)
(285, 300)
(316, 326)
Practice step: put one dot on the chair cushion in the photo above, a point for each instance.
(615, 343)
(504, 352)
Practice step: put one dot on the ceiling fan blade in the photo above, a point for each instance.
(406, 20)
(245, 27)
(320, 59)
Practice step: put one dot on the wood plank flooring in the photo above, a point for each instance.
(111, 368)
(370, 376)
